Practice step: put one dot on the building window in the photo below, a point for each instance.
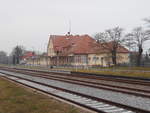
(95, 58)
(84, 59)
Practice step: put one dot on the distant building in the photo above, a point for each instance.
(26, 56)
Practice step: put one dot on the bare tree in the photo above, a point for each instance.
(3, 57)
(149, 51)
(147, 20)
(17, 52)
(111, 40)
(138, 37)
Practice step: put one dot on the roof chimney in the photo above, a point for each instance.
(68, 33)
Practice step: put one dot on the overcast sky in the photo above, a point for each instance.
(29, 22)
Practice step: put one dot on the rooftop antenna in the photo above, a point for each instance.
(69, 27)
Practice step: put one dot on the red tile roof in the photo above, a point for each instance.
(84, 44)
(109, 46)
(28, 55)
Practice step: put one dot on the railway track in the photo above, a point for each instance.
(90, 101)
(87, 82)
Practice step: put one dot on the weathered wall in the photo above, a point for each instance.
(106, 60)
(50, 48)
(81, 60)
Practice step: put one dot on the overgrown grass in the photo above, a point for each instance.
(15, 99)
(127, 68)
(119, 73)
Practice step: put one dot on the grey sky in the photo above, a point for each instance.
(28, 22)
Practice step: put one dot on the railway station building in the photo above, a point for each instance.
(81, 50)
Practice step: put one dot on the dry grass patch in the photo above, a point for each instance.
(15, 99)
